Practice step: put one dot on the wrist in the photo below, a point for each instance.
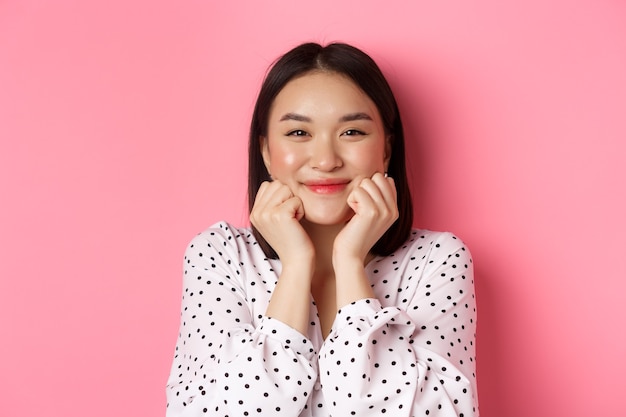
(301, 268)
(347, 261)
(352, 282)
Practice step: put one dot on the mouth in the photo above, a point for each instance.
(330, 186)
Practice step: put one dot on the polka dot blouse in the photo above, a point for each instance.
(408, 352)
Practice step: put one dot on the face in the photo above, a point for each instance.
(324, 135)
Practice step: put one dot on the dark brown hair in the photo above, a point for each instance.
(353, 63)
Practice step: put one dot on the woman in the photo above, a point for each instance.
(330, 304)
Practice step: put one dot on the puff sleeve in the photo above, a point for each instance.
(230, 360)
(410, 352)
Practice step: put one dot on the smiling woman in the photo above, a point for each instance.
(324, 136)
(330, 304)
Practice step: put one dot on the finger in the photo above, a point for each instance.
(294, 207)
(274, 193)
(387, 187)
(274, 216)
(267, 190)
(378, 199)
(360, 199)
(269, 197)
(375, 188)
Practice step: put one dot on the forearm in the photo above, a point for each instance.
(247, 372)
(291, 299)
(426, 343)
(227, 356)
(351, 281)
(371, 365)
(367, 365)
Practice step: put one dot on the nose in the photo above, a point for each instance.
(324, 155)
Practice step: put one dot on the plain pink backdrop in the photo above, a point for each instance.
(123, 133)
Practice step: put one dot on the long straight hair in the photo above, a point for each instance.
(355, 64)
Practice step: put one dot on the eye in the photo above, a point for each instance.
(353, 132)
(297, 132)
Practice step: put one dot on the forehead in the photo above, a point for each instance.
(321, 93)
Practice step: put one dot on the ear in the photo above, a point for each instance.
(387, 156)
(265, 152)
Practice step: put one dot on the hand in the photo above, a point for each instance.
(276, 214)
(374, 202)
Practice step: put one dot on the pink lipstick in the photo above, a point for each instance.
(328, 186)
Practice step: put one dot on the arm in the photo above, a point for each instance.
(413, 358)
(276, 215)
(226, 362)
(375, 208)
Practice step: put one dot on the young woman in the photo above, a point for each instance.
(330, 304)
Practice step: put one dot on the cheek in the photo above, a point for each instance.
(367, 158)
(290, 159)
(283, 158)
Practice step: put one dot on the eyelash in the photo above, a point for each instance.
(354, 132)
(297, 132)
(300, 134)
(349, 132)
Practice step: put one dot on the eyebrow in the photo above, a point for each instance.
(296, 117)
(346, 118)
(355, 116)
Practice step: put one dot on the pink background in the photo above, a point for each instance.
(123, 133)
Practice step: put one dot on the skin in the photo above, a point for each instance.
(329, 202)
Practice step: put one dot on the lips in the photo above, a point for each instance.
(327, 186)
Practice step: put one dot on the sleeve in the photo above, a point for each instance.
(223, 364)
(411, 361)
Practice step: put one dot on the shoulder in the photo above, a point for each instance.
(223, 239)
(427, 259)
(225, 234)
(422, 240)
(423, 250)
(426, 249)
(439, 254)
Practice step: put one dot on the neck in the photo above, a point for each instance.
(323, 238)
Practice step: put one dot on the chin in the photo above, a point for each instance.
(329, 219)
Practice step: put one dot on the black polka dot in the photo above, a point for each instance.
(416, 334)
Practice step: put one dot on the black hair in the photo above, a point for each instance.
(355, 64)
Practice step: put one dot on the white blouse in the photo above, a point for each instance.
(408, 352)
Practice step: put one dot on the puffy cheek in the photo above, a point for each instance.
(289, 159)
(367, 160)
(283, 161)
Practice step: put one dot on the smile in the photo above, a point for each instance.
(327, 187)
